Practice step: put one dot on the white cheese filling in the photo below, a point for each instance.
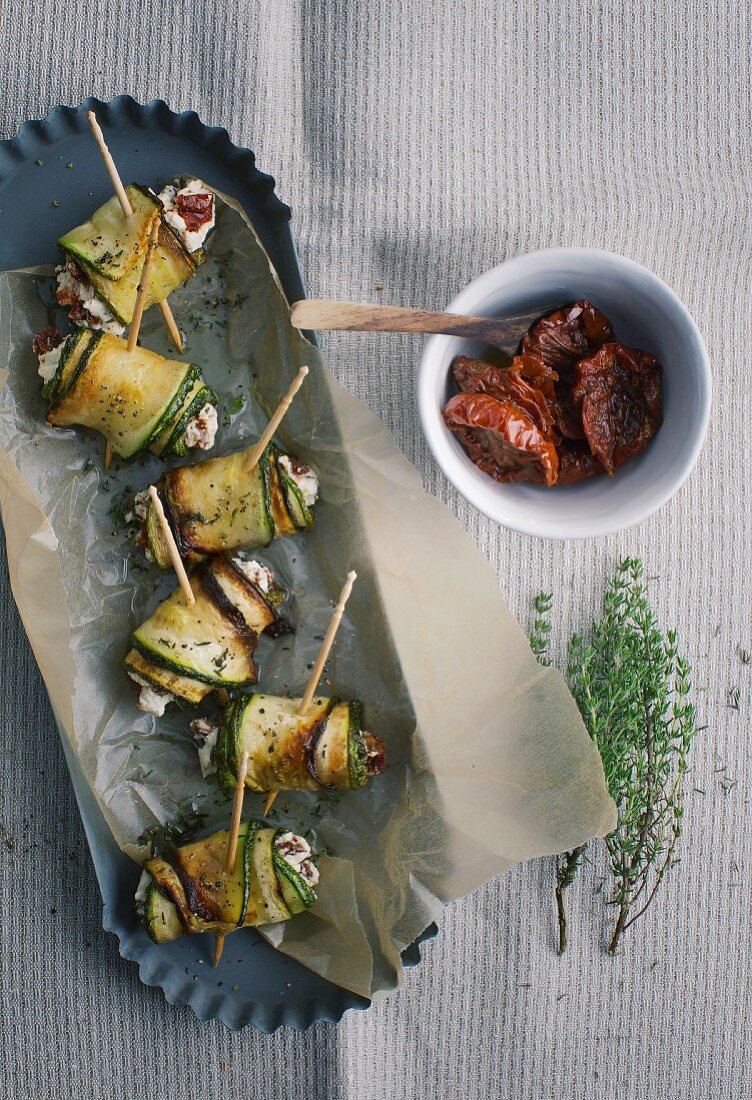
(98, 317)
(258, 574)
(193, 239)
(296, 851)
(143, 885)
(141, 504)
(205, 736)
(151, 699)
(202, 429)
(304, 477)
(49, 362)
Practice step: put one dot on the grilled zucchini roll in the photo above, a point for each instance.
(188, 890)
(323, 748)
(226, 504)
(138, 400)
(102, 259)
(186, 651)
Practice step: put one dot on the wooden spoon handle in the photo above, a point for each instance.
(357, 317)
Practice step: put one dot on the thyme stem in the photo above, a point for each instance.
(632, 689)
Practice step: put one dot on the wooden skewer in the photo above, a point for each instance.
(237, 809)
(109, 164)
(107, 455)
(125, 205)
(276, 418)
(143, 286)
(326, 645)
(219, 946)
(172, 327)
(269, 802)
(172, 546)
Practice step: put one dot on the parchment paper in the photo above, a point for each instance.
(489, 762)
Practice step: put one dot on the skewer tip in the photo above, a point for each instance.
(91, 116)
(219, 946)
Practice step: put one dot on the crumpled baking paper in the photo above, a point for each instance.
(489, 762)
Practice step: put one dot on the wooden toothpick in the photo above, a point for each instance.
(109, 163)
(276, 418)
(125, 205)
(143, 286)
(326, 645)
(107, 455)
(172, 546)
(237, 809)
(219, 946)
(172, 327)
(269, 802)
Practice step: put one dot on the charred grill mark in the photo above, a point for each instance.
(214, 592)
(313, 738)
(163, 489)
(279, 627)
(193, 898)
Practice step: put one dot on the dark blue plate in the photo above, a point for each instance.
(51, 178)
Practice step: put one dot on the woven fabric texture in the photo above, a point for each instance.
(420, 142)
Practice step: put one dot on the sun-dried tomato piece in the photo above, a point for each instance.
(195, 210)
(46, 340)
(567, 335)
(501, 439)
(560, 340)
(537, 373)
(576, 462)
(619, 389)
(505, 384)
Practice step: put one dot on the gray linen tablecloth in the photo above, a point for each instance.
(420, 143)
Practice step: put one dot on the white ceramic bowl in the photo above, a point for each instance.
(645, 314)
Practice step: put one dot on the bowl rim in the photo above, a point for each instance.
(470, 298)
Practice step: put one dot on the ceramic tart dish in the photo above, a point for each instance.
(260, 986)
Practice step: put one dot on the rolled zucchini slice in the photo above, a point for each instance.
(108, 250)
(138, 400)
(190, 890)
(323, 748)
(227, 504)
(187, 650)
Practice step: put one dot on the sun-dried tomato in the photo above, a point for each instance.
(619, 390)
(559, 340)
(195, 210)
(576, 462)
(501, 439)
(47, 340)
(536, 372)
(505, 384)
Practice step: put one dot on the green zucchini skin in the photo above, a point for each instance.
(189, 650)
(192, 892)
(135, 399)
(76, 350)
(322, 749)
(109, 251)
(225, 504)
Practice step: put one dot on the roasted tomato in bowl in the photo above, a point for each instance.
(594, 419)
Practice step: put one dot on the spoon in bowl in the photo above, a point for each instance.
(501, 332)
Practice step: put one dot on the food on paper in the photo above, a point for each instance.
(190, 890)
(102, 260)
(323, 748)
(138, 400)
(230, 504)
(188, 650)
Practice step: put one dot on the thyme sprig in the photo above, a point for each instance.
(633, 690)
